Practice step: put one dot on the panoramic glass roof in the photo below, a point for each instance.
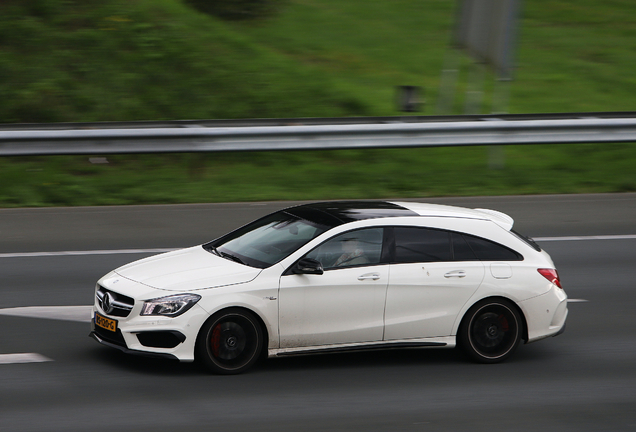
(339, 212)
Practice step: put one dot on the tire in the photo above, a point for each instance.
(230, 342)
(491, 331)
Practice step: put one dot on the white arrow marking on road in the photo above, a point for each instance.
(65, 313)
(23, 358)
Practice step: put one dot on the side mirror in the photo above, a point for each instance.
(308, 266)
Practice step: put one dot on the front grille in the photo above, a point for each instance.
(113, 303)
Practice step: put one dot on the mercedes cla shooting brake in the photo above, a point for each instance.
(337, 276)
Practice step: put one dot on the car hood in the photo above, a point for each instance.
(187, 270)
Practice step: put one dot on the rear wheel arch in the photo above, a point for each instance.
(481, 309)
(524, 332)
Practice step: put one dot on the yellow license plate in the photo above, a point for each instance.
(105, 323)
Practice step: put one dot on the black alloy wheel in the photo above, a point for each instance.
(230, 342)
(491, 331)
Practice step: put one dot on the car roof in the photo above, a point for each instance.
(340, 212)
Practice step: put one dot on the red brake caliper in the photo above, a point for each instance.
(504, 323)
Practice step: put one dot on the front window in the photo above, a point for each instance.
(354, 248)
(267, 240)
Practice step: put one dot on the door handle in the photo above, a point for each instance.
(455, 273)
(374, 276)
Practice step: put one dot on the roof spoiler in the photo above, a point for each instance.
(501, 219)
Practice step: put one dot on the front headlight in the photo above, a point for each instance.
(170, 306)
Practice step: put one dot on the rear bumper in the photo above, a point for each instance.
(560, 331)
(546, 314)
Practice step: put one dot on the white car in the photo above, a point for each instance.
(337, 276)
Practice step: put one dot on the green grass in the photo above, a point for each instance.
(71, 60)
(346, 174)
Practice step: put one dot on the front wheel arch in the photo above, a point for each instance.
(202, 352)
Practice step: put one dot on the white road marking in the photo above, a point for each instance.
(64, 313)
(577, 301)
(601, 237)
(88, 252)
(23, 358)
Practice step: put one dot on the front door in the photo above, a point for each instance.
(343, 305)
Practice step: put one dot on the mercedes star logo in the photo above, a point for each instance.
(107, 303)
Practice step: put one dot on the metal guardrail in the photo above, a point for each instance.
(314, 134)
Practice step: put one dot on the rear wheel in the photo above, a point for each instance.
(491, 331)
(230, 342)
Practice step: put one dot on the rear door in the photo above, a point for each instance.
(433, 273)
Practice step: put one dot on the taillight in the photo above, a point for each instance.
(551, 275)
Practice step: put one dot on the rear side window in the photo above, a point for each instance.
(416, 244)
(487, 250)
(421, 245)
(461, 249)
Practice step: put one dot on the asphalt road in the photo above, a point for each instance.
(583, 380)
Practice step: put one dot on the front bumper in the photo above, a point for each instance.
(129, 351)
(153, 336)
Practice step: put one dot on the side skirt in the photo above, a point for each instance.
(439, 342)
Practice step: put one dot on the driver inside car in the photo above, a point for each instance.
(352, 254)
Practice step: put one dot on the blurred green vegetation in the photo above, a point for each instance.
(237, 9)
(72, 60)
(66, 60)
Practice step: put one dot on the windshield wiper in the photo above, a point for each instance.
(215, 251)
(231, 257)
(210, 248)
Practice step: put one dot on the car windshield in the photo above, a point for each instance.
(266, 241)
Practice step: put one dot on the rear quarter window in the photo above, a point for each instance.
(527, 240)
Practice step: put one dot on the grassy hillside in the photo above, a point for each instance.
(147, 60)
(71, 60)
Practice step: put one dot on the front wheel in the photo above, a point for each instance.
(491, 331)
(230, 342)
